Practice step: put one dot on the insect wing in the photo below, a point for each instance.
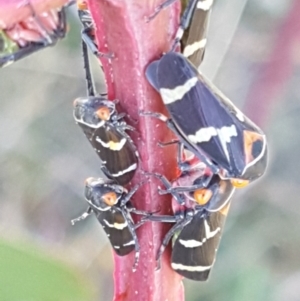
(117, 231)
(117, 155)
(194, 249)
(222, 191)
(202, 117)
(193, 41)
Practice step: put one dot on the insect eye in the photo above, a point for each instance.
(238, 183)
(202, 196)
(110, 198)
(103, 113)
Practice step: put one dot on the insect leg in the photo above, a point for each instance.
(168, 185)
(159, 8)
(132, 192)
(88, 212)
(177, 227)
(184, 22)
(131, 227)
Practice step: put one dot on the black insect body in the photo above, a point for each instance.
(31, 35)
(88, 31)
(206, 122)
(198, 226)
(104, 127)
(196, 243)
(110, 203)
(193, 27)
(106, 131)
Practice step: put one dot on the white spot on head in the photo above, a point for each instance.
(204, 4)
(172, 95)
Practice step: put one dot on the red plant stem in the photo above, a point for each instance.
(14, 11)
(121, 29)
(272, 76)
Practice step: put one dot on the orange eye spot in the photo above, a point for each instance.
(103, 113)
(238, 183)
(81, 5)
(110, 198)
(202, 196)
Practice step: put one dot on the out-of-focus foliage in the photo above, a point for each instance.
(26, 275)
(45, 158)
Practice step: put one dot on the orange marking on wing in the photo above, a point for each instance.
(249, 139)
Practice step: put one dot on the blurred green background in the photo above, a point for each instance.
(253, 56)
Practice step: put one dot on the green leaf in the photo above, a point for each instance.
(27, 275)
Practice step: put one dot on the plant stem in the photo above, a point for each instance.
(121, 29)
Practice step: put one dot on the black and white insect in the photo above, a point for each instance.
(192, 31)
(196, 237)
(110, 203)
(206, 122)
(198, 224)
(31, 35)
(88, 30)
(106, 130)
(195, 21)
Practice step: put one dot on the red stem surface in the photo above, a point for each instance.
(14, 11)
(121, 29)
(273, 76)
